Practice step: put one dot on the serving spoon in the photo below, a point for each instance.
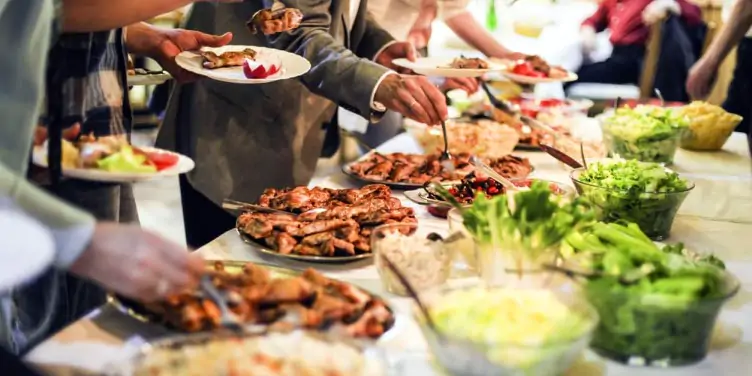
(560, 156)
(446, 159)
(488, 171)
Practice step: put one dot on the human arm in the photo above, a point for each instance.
(96, 15)
(599, 20)
(468, 29)
(699, 81)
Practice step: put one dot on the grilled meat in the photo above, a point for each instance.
(226, 59)
(468, 63)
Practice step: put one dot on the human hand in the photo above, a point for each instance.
(397, 50)
(163, 45)
(413, 96)
(137, 263)
(273, 22)
(71, 134)
(588, 39)
(658, 9)
(701, 78)
(469, 85)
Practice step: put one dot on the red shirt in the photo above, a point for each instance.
(624, 19)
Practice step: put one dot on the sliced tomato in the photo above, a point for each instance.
(260, 71)
(162, 160)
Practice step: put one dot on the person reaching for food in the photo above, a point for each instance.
(86, 85)
(246, 138)
(629, 22)
(122, 258)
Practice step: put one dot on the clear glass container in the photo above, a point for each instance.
(423, 259)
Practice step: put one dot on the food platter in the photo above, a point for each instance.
(400, 186)
(291, 65)
(143, 313)
(183, 165)
(305, 351)
(258, 246)
(439, 67)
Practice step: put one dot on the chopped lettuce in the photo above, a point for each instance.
(645, 133)
(126, 160)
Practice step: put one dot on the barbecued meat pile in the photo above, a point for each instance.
(419, 169)
(302, 199)
(344, 229)
(310, 301)
(227, 59)
(468, 63)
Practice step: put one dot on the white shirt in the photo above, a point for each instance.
(728, 6)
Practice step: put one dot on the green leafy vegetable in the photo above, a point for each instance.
(639, 192)
(645, 133)
(665, 314)
(529, 224)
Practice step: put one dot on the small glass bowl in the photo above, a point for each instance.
(459, 356)
(464, 248)
(654, 212)
(655, 330)
(424, 262)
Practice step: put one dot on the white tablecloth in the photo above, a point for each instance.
(705, 223)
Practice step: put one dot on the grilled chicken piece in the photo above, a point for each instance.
(272, 22)
(402, 171)
(307, 250)
(381, 169)
(288, 290)
(332, 308)
(227, 59)
(468, 63)
(538, 64)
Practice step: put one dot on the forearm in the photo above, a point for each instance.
(732, 33)
(139, 37)
(467, 28)
(336, 72)
(99, 15)
(71, 228)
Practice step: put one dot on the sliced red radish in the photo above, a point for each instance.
(260, 69)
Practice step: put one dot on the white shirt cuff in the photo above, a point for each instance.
(376, 106)
(384, 47)
(70, 243)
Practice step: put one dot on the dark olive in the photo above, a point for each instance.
(434, 237)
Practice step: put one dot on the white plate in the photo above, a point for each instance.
(291, 65)
(26, 251)
(520, 79)
(148, 79)
(438, 66)
(185, 164)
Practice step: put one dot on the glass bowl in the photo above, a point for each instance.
(483, 138)
(424, 259)
(651, 330)
(659, 149)
(465, 247)
(461, 353)
(654, 212)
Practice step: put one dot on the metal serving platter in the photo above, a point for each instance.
(141, 313)
(262, 248)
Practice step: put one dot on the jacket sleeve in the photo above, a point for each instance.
(690, 13)
(599, 19)
(71, 228)
(336, 72)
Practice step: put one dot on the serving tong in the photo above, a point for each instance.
(631, 277)
(234, 205)
(509, 109)
(227, 318)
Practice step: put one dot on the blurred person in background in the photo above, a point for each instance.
(247, 138)
(121, 258)
(412, 20)
(702, 76)
(629, 22)
(87, 93)
(701, 80)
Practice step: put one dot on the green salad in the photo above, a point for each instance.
(657, 305)
(641, 192)
(645, 133)
(528, 224)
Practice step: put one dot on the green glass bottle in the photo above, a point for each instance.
(491, 23)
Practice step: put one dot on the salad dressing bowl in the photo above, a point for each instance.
(654, 212)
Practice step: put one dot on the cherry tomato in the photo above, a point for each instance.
(162, 160)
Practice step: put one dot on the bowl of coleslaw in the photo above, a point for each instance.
(519, 332)
(484, 138)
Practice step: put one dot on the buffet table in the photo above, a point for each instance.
(717, 217)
